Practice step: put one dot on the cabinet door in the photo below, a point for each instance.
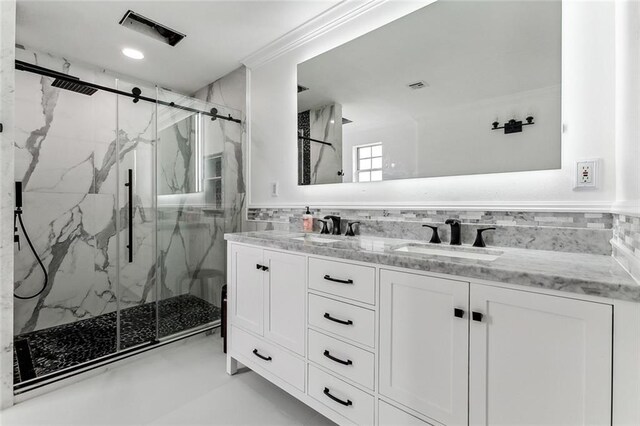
(538, 359)
(285, 301)
(247, 286)
(423, 345)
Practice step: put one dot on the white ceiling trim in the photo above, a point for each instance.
(332, 18)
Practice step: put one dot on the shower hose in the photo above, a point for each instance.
(17, 215)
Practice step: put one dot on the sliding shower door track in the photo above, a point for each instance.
(49, 379)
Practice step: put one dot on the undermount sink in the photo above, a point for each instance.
(458, 252)
(315, 239)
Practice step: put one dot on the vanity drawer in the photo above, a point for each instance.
(349, 321)
(352, 403)
(342, 358)
(354, 282)
(268, 356)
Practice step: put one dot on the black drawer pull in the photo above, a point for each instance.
(477, 316)
(338, 400)
(266, 358)
(330, 318)
(458, 313)
(336, 280)
(338, 360)
(259, 266)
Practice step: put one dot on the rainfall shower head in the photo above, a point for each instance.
(73, 86)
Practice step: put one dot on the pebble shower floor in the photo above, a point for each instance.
(49, 350)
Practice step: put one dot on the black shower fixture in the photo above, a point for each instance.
(61, 80)
(136, 92)
(512, 126)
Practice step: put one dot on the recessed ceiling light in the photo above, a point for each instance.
(132, 53)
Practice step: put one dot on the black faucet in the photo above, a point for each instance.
(350, 232)
(479, 242)
(455, 231)
(324, 226)
(336, 224)
(435, 238)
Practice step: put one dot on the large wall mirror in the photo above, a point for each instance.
(455, 88)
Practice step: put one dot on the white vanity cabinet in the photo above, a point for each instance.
(377, 345)
(424, 345)
(267, 312)
(539, 359)
(268, 291)
(521, 357)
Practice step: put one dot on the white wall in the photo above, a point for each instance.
(588, 115)
(628, 106)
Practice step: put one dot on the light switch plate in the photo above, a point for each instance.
(586, 174)
(275, 189)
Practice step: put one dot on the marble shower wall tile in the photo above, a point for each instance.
(66, 157)
(567, 232)
(7, 101)
(191, 258)
(325, 124)
(229, 139)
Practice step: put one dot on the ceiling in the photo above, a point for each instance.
(466, 51)
(219, 34)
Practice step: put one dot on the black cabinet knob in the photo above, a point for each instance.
(477, 316)
(458, 313)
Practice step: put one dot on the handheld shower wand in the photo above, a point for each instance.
(17, 219)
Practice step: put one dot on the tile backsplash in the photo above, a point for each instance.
(503, 218)
(558, 231)
(626, 238)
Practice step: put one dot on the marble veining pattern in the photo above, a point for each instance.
(325, 124)
(67, 155)
(7, 102)
(567, 232)
(588, 274)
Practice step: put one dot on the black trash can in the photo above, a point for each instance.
(223, 322)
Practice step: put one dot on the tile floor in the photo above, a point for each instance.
(183, 384)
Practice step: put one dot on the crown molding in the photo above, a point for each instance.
(561, 206)
(328, 20)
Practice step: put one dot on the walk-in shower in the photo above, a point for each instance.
(125, 198)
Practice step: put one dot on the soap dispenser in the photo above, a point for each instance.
(307, 221)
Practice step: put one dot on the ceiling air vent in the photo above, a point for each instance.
(417, 85)
(143, 25)
(302, 88)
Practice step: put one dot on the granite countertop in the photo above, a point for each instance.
(590, 274)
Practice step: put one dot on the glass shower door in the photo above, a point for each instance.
(136, 151)
(191, 180)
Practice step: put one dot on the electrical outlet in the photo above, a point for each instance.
(275, 189)
(586, 174)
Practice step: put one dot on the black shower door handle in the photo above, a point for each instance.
(129, 184)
